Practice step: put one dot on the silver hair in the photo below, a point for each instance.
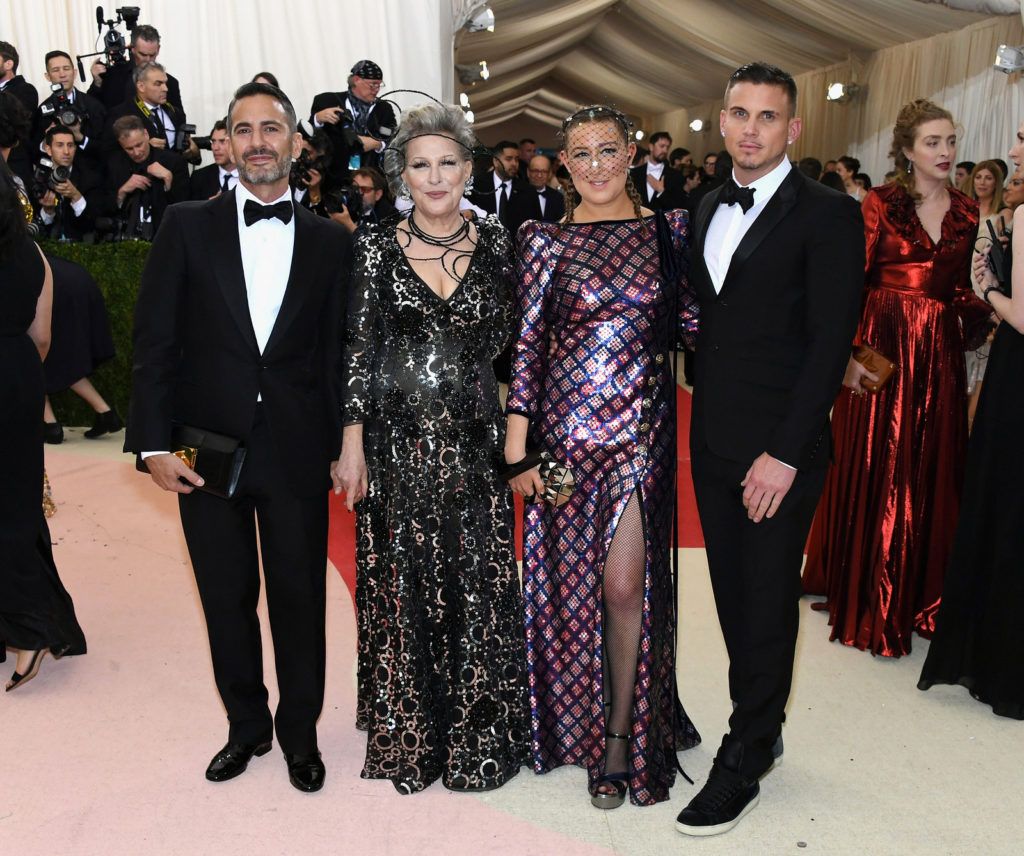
(443, 120)
(140, 71)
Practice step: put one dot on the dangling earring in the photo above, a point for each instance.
(468, 188)
(910, 166)
(403, 191)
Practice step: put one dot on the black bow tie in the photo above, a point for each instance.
(253, 211)
(732, 194)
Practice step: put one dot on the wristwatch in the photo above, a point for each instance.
(987, 291)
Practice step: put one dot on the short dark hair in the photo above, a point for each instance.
(764, 74)
(219, 125)
(146, 33)
(54, 55)
(832, 179)
(1003, 166)
(9, 52)
(689, 170)
(266, 75)
(375, 175)
(864, 179)
(851, 163)
(678, 153)
(527, 140)
(811, 167)
(53, 131)
(249, 90)
(657, 136)
(505, 144)
(968, 165)
(125, 125)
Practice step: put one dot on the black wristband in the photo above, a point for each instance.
(987, 291)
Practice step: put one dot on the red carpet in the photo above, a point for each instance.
(342, 538)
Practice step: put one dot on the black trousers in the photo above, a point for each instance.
(755, 575)
(221, 537)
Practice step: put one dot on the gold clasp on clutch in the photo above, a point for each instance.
(187, 455)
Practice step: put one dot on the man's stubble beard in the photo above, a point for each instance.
(275, 173)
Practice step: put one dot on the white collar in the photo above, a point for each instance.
(498, 182)
(767, 184)
(243, 195)
(232, 172)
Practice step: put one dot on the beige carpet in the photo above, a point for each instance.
(104, 754)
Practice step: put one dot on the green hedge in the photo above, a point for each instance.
(117, 268)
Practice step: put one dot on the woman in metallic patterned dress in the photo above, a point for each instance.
(441, 660)
(607, 285)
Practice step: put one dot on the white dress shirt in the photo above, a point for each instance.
(232, 177)
(164, 118)
(729, 223)
(542, 199)
(266, 261)
(657, 170)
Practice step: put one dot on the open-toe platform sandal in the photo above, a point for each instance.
(18, 680)
(618, 780)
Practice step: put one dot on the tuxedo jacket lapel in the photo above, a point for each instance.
(776, 209)
(705, 211)
(227, 263)
(303, 252)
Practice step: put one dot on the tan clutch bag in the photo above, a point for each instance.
(875, 363)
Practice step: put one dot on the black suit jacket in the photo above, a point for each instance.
(24, 91)
(196, 360)
(93, 127)
(381, 125)
(774, 343)
(120, 168)
(98, 203)
(21, 157)
(483, 195)
(204, 183)
(525, 205)
(674, 195)
(130, 108)
(118, 87)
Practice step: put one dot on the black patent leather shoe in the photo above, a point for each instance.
(306, 772)
(232, 760)
(53, 433)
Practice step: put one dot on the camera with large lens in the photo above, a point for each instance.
(203, 143)
(349, 196)
(47, 175)
(348, 130)
(60, 108)
(115, 51)
(301, 166)
(182, 138)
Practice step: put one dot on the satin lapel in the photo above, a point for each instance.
(303, 256)
(705, 211)
(776, 209)
(226, 260)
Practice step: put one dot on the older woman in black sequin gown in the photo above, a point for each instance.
(441, 668)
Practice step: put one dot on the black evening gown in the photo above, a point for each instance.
(441, 645)
(35, 609)
(80, 329)
(978, 641)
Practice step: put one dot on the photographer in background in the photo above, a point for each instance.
(14, 85)
(71, 195)
(68, 107)
(220, 176)
(165, 122)
(114, 85)
(356, 122)
(144, 179)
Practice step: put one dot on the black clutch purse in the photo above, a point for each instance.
(215, 457)
(558, 478)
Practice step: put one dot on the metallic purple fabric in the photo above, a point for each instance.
(603, 404)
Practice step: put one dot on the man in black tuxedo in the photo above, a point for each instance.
(494, 189)
(13, 84)
(68, 209)
(113, 85)
(162, 119)
(90, 114)
(660, 187)
(778, 264)
(527, 150)
(238, 331)
(144, 180)
(538, 201)
(221, 175)
(355, 121)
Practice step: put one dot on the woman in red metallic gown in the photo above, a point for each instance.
(884, 530)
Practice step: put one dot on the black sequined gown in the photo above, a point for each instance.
(441, 650)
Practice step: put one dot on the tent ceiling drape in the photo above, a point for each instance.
(650, 57)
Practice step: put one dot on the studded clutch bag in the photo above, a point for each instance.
(558, 479)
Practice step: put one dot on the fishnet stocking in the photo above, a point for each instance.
(623, 589)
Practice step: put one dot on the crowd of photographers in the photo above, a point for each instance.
(104, 164)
